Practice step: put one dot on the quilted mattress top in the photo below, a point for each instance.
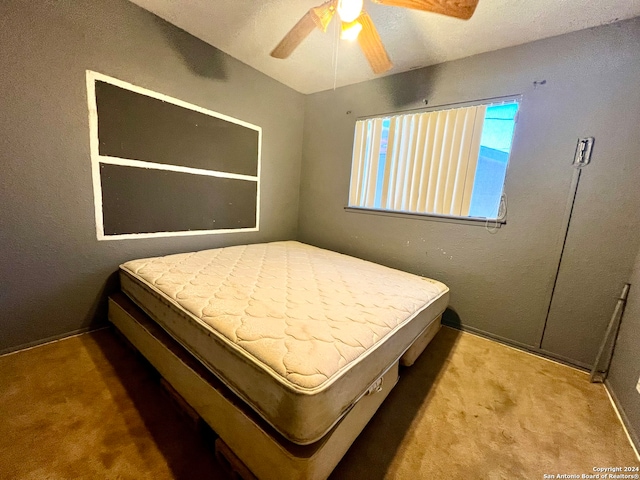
(302, 313)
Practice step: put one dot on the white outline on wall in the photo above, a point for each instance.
(97, 159)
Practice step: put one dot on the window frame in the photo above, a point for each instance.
(477, 221)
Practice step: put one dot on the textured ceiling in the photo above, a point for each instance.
(248, 30)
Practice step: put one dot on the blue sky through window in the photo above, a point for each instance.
(381, 162)
(495, 146)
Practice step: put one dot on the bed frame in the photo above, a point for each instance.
(248, 445)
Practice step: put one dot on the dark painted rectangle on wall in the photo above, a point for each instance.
(141, 200)
(138, 127)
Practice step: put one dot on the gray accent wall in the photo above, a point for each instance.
(55, 273)
(146, 200)
(139, 127)
(576, 85)
(625, 366)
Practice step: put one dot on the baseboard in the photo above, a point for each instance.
(521, 346)
(45, 341)
(634, 439)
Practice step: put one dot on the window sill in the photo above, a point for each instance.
(479, 222)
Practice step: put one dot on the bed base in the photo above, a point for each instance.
(230, 462)
(256, 444)
(420, 343)
(246, 440)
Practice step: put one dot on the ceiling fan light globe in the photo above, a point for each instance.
(350, 31)
(349, 10)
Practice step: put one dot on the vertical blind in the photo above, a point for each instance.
(427, 166)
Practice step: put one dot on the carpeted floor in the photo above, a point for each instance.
(87, 407)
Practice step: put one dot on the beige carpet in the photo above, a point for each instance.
(87, 407)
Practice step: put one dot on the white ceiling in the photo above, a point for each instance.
(249, 29)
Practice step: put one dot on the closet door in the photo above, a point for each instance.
(603, 235)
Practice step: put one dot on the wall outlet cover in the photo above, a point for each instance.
(638, 386)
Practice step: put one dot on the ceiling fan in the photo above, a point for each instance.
(356, 23)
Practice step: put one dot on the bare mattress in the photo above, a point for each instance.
(298, 332)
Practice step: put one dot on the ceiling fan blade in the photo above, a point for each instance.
(295, 36)
(324, 13)
(462, 9)
(317, 17)
(372, 46)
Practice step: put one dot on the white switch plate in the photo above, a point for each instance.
(638, 386)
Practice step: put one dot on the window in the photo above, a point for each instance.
(449, 162)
